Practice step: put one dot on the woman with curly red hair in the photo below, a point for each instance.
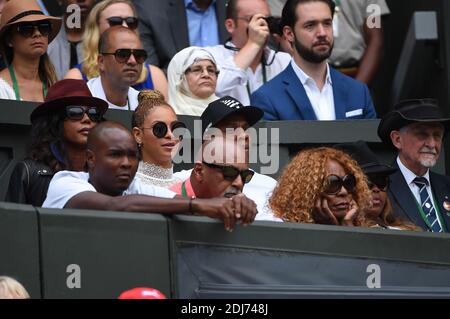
(323, 186)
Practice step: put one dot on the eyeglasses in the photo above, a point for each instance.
(77, 113)
(132, 22)
(381, 182)
(198, 70)
(27, 29)
(247, 19)
(160, 129)
(123, 55)
(334, 183)
(230, 173)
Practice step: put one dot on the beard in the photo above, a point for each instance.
(308, 54)
(428, 160)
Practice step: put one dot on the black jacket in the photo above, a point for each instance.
(403, 202)
(29, 183)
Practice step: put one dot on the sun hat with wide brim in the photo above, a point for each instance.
(411, 111)
(17, 11)
(66, 93)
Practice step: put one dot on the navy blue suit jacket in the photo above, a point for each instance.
(284, 98)
(404, 203)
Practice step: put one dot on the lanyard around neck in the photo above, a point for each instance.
(16, 85)
(264, 76)
(183, 189)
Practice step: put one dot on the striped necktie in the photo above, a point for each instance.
(427, 205)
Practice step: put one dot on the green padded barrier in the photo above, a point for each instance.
(283, 260)
(19, 246)
(93, 254)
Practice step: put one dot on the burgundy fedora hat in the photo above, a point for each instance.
(65, 93)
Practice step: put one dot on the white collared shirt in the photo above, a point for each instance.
(409, 178)
(322, 102)
(233, 80)
(96, 88)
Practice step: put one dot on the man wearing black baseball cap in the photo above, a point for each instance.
(229, 113)
(416, 129)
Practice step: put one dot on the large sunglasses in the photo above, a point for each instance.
(230, 173)
(160, 129)
(334, 183)
(77, 113)
(123, 55)
(26, 29)
(381, 182)
(132, 22)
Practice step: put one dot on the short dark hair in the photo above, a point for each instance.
(231, 12)
(104, 42)
(289, 17)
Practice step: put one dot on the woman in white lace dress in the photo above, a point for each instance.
(156, 130)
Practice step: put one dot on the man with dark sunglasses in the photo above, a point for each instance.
(120, 61)
(228, 113)
(110, 184)
(221, 170)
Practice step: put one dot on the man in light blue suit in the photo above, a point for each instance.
(309, 89)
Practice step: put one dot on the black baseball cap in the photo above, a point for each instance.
(220, 109)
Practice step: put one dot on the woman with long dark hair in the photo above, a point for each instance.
(59, 131)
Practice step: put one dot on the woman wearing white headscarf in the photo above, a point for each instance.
(192, 75)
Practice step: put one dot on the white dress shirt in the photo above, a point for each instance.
(322, 102)
(96, 88)
(415, 190)
(233, 80)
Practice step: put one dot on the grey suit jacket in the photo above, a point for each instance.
(164, 30)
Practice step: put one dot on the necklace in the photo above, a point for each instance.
(16, 85)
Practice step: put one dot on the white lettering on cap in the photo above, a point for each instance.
(231, 103)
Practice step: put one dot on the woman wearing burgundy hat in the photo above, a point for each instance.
(59, 130)
(25, 33)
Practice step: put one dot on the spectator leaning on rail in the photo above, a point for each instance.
(229, 114)
(106, 14)
(120, 62)
(245, 61)
(321, 186)
(221, 170)
(191, 89)
(416, 129)
(379, 213)
(110, 184)
(25, 33)
(59, 130)
(309, 89)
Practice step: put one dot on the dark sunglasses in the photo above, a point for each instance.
(123, 55)
(160, 129)
(77, 113)
(334, 183)
(132, 22)
(381, 182)
(230, 173)
(26, 29)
